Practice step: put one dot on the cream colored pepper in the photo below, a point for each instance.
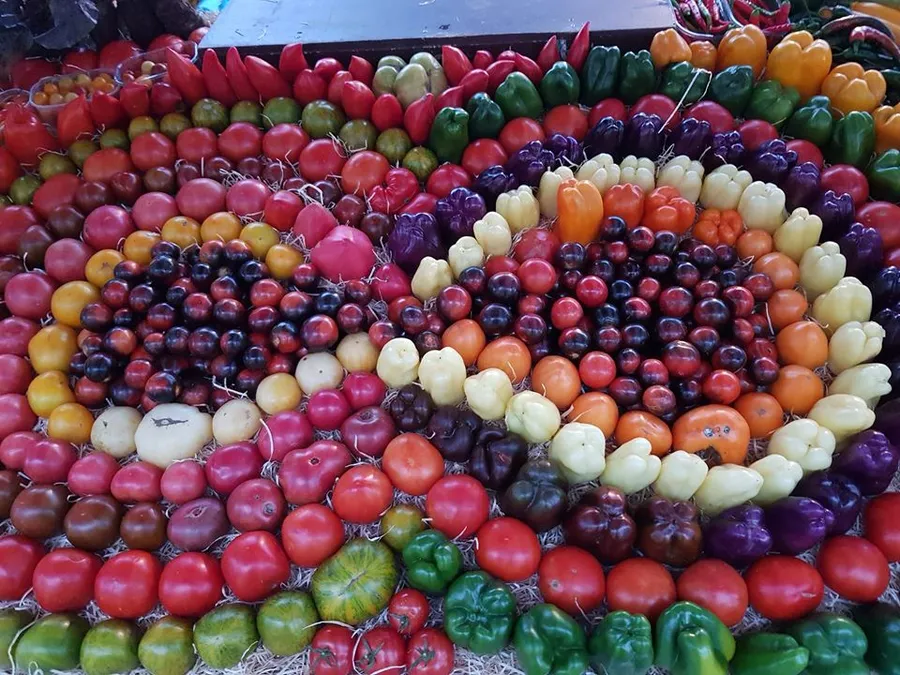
(488, 392)
(843, 414)
(680, 475)
(465, 253)
(442, 373)
(780, 477)
(800, 232)
(431, 277)
(549, 188)
(520, 208)
(602, 171)
(632, 466)
(533, 417)
(398, 363)
(849, 300)
(853, 343)
(727, 485)
(493, 233)
(580, 452)
(762, 206)
(869, 381)
(640, 171)
(723, 187)
(684, 174)
(821, 268)
(805, 442)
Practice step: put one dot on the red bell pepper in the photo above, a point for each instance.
(508, 55)
(529, 68)
(164, 99)
(482, 59)
(26, 137)
(216, 79)
(497, 72)
(238, 78)
(266, 79)
(357, 100)
(74, 122)
(135, 99)
(362, 70)
(186, 77)
(327, 68)
(9, 169)
(106, 110)
(476, 80)
(424, 202)
(309, 86)
(336, 86)
(292, 61)
(450, 98)
(580, 47)
(666, 209)
(387, 113)
(549, 53)
(400, 185)
(455, 63)
(418, 119)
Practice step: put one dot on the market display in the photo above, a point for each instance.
(461, 362)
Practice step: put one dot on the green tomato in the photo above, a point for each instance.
(280, 110)
(247, 111)
(383, 80)
(284, 622)
(391, 61)
(173, 124)
(322, 118)
(411, 84)
(141, 125)
(393, 144)
(167, 647)
(358, 135)
(400, 524)
(110, 647)
(115, 138)
(211, 114)
(421, 161)
(51, 643)
(23, 188)
(11, 622)
(53, 163)
(79, 151)
(225, 635)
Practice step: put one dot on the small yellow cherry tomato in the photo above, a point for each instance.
(281, 260)
(223, 226)
(261, 237)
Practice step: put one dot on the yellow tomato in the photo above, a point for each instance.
(69, 299)
(52, 348)
(100, 266)
(261, 237)
(181, 231)
(138, 245)
(281, 260)
(47, 392)
(71, 422)
(223, 226)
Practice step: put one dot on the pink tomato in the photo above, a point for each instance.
(283, 432)
(137, 482)
(65, 260)
(281, 210)
(107, 227)
(363, 389)
(247, 197)
(48, 461)
(196, 144)
(182, 482)
(92, 474)
(327, 409)
(15, 374)
(152, 210)
(230, 465)
(15, 333)
(28, 295)
(200, 198)
(15, 446)
(152, 149)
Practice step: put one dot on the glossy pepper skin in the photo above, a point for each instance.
(497, 457)
(637, 76)
(691, 640)
(518, 97)
(887, 127)
(801, 186)
(432, 562)
(772, 102)
(479, 613)
(600, 524)
(745, 45)
(599, 74)
(732, 88)
(486, 119)
(538, 495)
(622, 643)
(884, 175)
(560, 85)
(668, 47)
(605, 136)
(643, 135)
(449, 134)
(738, 535)
(550, 642)
(853, 140)
(801, 62)
(692, 137)
(881, 624)
(813, 121)
(579, 211)
(769, 654)
(683, 82)
(837, 645)
(669, 532)
(852, 88)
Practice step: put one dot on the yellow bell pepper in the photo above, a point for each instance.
(851, 88)
(887, 127)
(580, 211)
(669, 47)
(801, 62)
(744, 46)
(703, 55)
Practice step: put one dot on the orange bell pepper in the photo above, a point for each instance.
(716, 227)
(668, 47)
(744, 46)
(801, 62)
(851, 88)
(579, 207)
(887, 127)
(625, 201)
(703, 55)
(666, 209)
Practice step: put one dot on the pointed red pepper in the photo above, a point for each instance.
(387, 113)
(483, 58)
(26, 137)
(418, 119)
(580, 46)
(164, 99)
(357, 100)
(327, 68)
(74, 122)
(549, 53)
(309, 86)
(424, 202)
(361, 70)
(508, 55)
(475, 81)
(216, 79)
(450, 98)
(455, 63)
(336, 86)
(185, 77)
(529, 68)
(238, 78)
(265, 78)
(292, 61)
(497, 72)
(135, 99)
(106, 110)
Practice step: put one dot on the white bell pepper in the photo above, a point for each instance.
(632, 466)
(723, 187)
(725, 486)
(580, 452)
(680, 475)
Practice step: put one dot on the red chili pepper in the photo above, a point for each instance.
(549, 54)
(309, 86)
(455, 63)
(216, 79)
(483, 58)
(164, 99)
(578, 50)
(450, 98)
(74, 122)
(387, 113)
(357, 100)
(185, 77)
(266, 79)
(418, 119)
(400, 185)
(497, 72)
(327, 68)
(424, 202)
(26, 137)
(507, 55)
(475, 81)
(529, 68)
(238, 78)
(106, 110)
(361, 70)
(135, 99)
(336, 86)
(292, 61)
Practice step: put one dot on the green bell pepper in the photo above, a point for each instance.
(637, 76)
(599, 74)
(550, 642)
(486, 119)
(622, 644)
(479, 613)
(812, 121)
(884, 177)
(449, 134)
(732, 87)
(518, 97)
(853, 140)
(881, 624)
(769, 654)
(560, 85)
(432, 561)
(683, 82)
(837, 646)
(772, 102)
(691, 640)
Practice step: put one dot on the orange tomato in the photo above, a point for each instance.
(100, 266)
(467, 338)
(719, 428)
(69, 299)
(70, 422)
(763, 413)
(138, 245)
(802, 343)
(797, 389)
(754, 244)
(222, 225)
(556, 378)
(597, 409)
(412, 463)
(509, 354)
(281, 260)
(640, 424)
(785, 307)
(783, 271)
(182, 231)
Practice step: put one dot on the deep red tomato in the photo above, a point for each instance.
(153, 149)
(806, 152)
(597, 369)
(191, 584)
(640, 586)
(18, 557)
(64, 580)
(519, 132)
(363, 171)
(458, 505)
(881, 523)
(536, 242)
(508, 549)
(331, 651)
(657, 104)
(481, 154)
(380, 650)
(843, 178)
(362, 494)
(568, 120)
(310, 534)
(720, 120)
(446, 177)
(408, 611)
(412, 464)
(756, 132)
(716, 586)
(884, 217)
(254, 565)
(126, 585)
(854, 568)
(572, 579)
(320, 159)
(608, 107)
(430, 652)
(783, 588)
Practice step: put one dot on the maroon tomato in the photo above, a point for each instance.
(190, 584)
(640, 586)
(756, 132)
(306, 475)
(230, 465)
(14, 220)
(182, 482)
(806, 152)
(458, 505)
(783, 588)
(362, 494)
(508, 549)
(883, 216)
(310, 534)
(368, 431)
(362, 390)
(660, 105)
(481, 154)
(446, 177)
(846, 179)
(28, 295)
(854, 568)
(408, 611)
(15, 415)
(15, 374)
(254, 565)
(48, 461)
(608, 107)
(430, 652)
(331, 651)
(92, 474)
(716, 586)
(19, 556)
(153, 149)
(720, 120)
(126, 585)
(572, 579)
(379, 650)
(64, 580)
(881, 523)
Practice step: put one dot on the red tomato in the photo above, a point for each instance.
(363, 171)
(572, 579)
(806, 152)
(153, 149)
(254, 565)
(408, 611)
(239, 141)
(310, 534)
(519, 132)
(191, 584)
(536, 242)
(508, 549)
(446, 177)
(481, 154)
(412, 463)
(430, 652)
(756, 132)
(362, 494)
(597, 369)
(458, 505)
(657, 104)
(716, 586)
(126, 585)
(884, 217)
(892, 258)
(854, 568)
(331, 651)
(640, 586)
(568, 120)
(843, 178)
(380, 649)
(783, 588)
(881, 523)
(19, 556)
(320, 159)
(64, 580)
(284, 142)
(102, 165)
(608, 107)
(720, 120)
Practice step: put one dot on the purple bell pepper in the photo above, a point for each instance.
(566, 150)
(644, 136)
(887, 421)
(771, 161)
(457, 212)
(493, 182)
(727, 147)
(738, 536)
(797, 524)
(606, 136)
(529, 163)
(885, 287)
(801, 186)
(889, 319)
(835, 492)
(870, 461)
(692, 137)
(836, 212)
(863, 250)
(415, 236)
